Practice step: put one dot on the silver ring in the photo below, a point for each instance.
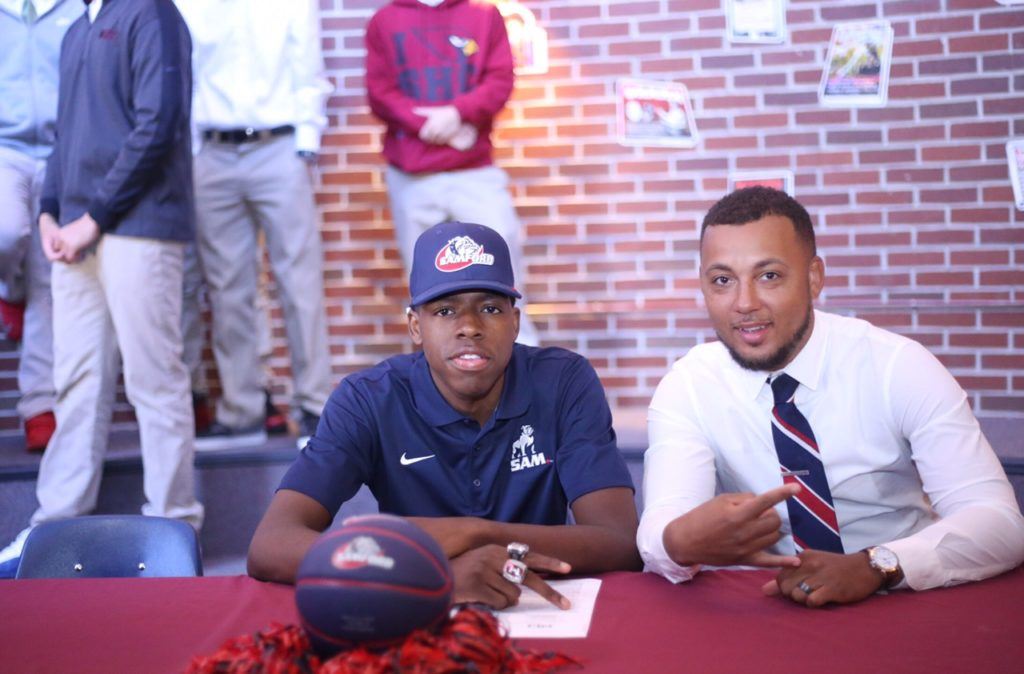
(805, 588)
(517, 550)
(514, 571)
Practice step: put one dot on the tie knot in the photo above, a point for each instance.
(783, 388)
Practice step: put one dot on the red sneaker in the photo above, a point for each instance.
(12, 319)
(38, 430)
(201, 412)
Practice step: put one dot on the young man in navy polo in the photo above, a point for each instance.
(481, 441)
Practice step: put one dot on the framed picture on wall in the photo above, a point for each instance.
(529, 41)
(1015, 158)
(652, 112)
(779, 180)
(756, 20)
(856, 71)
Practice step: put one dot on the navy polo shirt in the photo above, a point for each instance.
(549, 442)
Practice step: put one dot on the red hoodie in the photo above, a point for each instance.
(416, 55)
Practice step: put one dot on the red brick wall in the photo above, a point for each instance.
(912, 202)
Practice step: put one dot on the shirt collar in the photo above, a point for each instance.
(806, 367)
(432, 406)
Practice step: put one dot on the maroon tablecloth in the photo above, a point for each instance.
(718, 623)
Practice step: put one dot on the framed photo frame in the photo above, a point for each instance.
(529, 41)
(856, 71)
(1015, 159)
(780, 180)
(750, 21)
(653, 112)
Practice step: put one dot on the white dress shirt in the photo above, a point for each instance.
(94, 8)
(906, 461)
(257, 64)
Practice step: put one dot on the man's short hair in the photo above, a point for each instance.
(750, 204)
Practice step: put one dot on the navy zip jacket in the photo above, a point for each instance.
(123, 149)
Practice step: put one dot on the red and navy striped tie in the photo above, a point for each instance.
(812, 516)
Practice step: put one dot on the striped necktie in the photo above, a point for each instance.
(28, 12)
(812, 516)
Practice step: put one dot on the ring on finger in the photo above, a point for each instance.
(805, 588)
(514, 571)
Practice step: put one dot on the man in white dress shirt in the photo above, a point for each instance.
(917, 497)
(258, 114)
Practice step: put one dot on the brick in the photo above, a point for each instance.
(981, 215)
(884, 197)
(979, 43)
(694, 43)
(945, 196)
(917, 133)
(987, 129)
(946, 236)
(791, 98)
(1003, 106)
(911, 7)
(945, 278)
(996, 62)
(908, 175)
(951, 153)
(638, 48)
(1001, 20)
(851, 178)
(980, 257)
(825, 159)
(887, 114)
(981, 85)
(725, 102)
(759, 80)
(979, 340)
(916, 259)
(848, 12)
(791, 139)
(788, 57)
(725, 62)
(1007, 403)
(947, 110)
(603, 30)
(948, 66)
(945, 25)
(887, 156)
(854, 137)
(978, 173)
(907, 48)
(999, 278)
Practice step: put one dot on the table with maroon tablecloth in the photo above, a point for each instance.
(720, 622)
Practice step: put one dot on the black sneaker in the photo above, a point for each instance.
(277, 421)
(217, 436)
(307, 426)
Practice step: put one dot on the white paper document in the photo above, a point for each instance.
(536, 618)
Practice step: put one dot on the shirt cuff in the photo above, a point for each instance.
(651, 543)
(51, 206)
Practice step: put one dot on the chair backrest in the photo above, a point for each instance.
(111, 546)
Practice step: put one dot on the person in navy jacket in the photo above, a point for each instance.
(481, 441)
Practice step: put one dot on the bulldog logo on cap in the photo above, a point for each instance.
(461, 252)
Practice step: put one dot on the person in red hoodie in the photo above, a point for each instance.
(437, 73)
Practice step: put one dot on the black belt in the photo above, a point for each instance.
(249, 135)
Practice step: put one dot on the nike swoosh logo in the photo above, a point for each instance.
(406, 461)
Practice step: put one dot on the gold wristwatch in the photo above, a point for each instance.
(884, 561)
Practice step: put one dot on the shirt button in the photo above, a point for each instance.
(476, 483)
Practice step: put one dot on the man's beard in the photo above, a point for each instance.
(774, 361)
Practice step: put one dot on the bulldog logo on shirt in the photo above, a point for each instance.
(524, 452)
(461, 252)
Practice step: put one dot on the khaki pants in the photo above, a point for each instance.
(479, 195)
(126, 296)
(25, 276)
(241, 189)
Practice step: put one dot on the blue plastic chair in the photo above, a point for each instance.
(111, 546)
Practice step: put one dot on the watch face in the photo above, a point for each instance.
(884, 559)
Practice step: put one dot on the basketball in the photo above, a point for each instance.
(371, 582)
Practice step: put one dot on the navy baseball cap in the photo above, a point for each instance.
(455, 256)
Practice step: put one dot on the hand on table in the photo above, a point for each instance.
(832, 577)
(731, 529)
(478, 577)
(443, 122)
